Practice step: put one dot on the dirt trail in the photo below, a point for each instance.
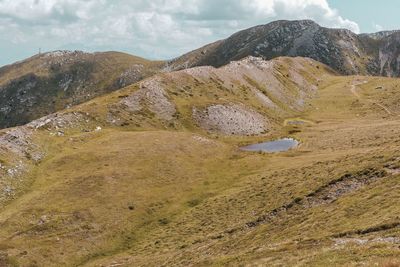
(353, 90)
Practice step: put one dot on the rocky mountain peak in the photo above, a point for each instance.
(341, 49)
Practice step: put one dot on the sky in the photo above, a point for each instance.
(164, 29)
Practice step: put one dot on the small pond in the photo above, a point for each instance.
(279, 145)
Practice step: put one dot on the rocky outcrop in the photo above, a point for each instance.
(21, 148)
(231, 119)
(151, 95)
(17, 152)
(389, 55)
(341, 49)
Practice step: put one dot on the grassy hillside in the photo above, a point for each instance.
(139, 178)
(53, 81)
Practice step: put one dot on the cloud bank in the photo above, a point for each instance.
(150, 28)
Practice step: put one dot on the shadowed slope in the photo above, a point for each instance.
(57, 80)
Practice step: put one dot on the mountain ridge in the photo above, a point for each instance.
(56, 80)
(341, 49)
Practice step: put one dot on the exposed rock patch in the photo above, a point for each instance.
(231, 119)
(18, 144)
(151, 95)
(58, 121)
(16, 141)
(20, 148)
(17, 149)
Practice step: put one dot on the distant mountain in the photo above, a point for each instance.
(341, 49)
(53, 81)
(379, 35)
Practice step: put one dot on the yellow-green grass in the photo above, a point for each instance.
(159, 195)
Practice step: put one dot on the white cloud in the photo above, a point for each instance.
(150, 28)
(318, 10)
(377, 27)
(42, 10)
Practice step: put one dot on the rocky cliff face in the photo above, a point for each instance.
(343, 50)
(57, 80)
(389, 55)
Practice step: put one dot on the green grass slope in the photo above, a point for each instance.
(133, 179)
